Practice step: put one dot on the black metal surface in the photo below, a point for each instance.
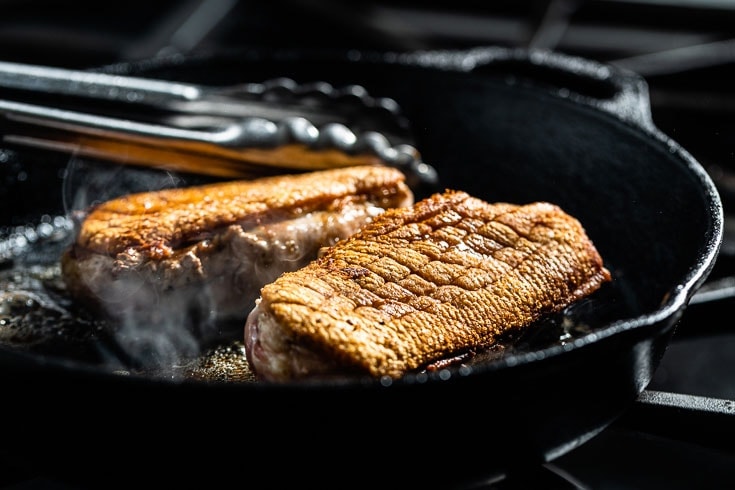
(680, 47)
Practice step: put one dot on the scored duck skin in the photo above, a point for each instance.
(204, 251)
(420, 284)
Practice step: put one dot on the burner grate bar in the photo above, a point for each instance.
(697, 419)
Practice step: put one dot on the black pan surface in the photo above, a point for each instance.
(503, 125)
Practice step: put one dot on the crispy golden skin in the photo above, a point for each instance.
(420, 284)
(205, 251)
(157, 223)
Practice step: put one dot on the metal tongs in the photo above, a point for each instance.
(239, 131)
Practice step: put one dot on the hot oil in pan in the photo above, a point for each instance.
(38, 317)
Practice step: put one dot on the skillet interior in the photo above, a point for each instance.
(646, 204)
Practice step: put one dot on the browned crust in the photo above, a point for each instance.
(422, 283)
(156, 223)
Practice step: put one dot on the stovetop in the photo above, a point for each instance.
(679, 433)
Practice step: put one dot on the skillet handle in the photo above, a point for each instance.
(620, 92)
(627, 95)
(617, 91)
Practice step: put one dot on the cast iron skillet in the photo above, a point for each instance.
(503, 125)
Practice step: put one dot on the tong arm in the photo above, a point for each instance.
(93, 84)
(251, 142)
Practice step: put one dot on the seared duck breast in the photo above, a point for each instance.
(420, 284)
(201, 254)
